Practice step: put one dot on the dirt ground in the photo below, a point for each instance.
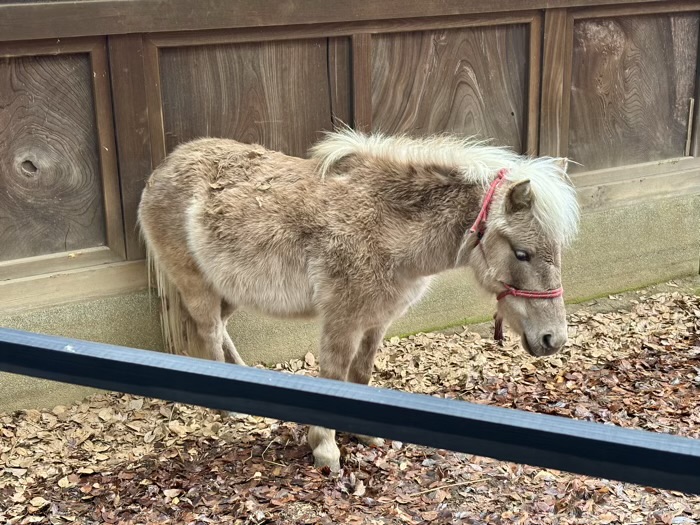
(122, 459)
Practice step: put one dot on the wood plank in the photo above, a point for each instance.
(132, 131)
(32, 293)
(695, 128)
(632, 171)
(102, 17)
(471, 81)
(107, 149)
(555, 62)
(566, 95)
(362, 81)
(52, 192)
(628, 185)
(154, 102)
(256, 34)
(340, 80)
(273, 93)
(51, 47)
(533, 88)
(56, 262)
(622, 9)
(632, 82)
(548, 441)
(596, 197)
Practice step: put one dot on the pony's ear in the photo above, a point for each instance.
(519, 197)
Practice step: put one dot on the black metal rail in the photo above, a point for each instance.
(637, 456)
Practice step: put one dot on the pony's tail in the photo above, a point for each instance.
(176, 326)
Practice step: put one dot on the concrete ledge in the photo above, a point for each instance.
(619, 249)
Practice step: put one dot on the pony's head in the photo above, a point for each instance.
(528, 215)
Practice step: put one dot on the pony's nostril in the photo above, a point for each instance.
(547, 341)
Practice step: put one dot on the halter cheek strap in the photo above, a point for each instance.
(479, 227)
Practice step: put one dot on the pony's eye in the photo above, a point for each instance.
(522, 255)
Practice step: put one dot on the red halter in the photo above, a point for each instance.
(479, 227)
(480, 222)
(528, 294)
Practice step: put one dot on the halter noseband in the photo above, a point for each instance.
(479, 227)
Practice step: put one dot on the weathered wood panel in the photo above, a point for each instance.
(469, 81)
(534, 90)
(362, 81)
(632, 81)
(272, 93)
(556, 75)
(340, 75)
(50, 184)
(107, 149)
(131, 123)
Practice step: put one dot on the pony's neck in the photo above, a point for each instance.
(434, 223)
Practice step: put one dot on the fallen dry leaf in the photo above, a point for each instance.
(38, 502)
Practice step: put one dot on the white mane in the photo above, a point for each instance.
(554, 198)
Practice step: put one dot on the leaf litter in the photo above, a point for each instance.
(123, 459)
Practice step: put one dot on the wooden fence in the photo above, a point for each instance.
(94, 93)
(595, 449)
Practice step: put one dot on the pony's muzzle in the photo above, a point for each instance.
(552, 343)
(547, 343)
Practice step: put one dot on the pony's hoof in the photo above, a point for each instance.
(332, 464)
(327, 457)
(370, 441)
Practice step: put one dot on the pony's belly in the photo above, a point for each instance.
(289, 297)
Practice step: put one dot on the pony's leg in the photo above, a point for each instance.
(362, 366)
(230, 353)
(339, 343)
(204, 308)
(363, 362)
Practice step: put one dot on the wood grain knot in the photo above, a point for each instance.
(29, 168)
